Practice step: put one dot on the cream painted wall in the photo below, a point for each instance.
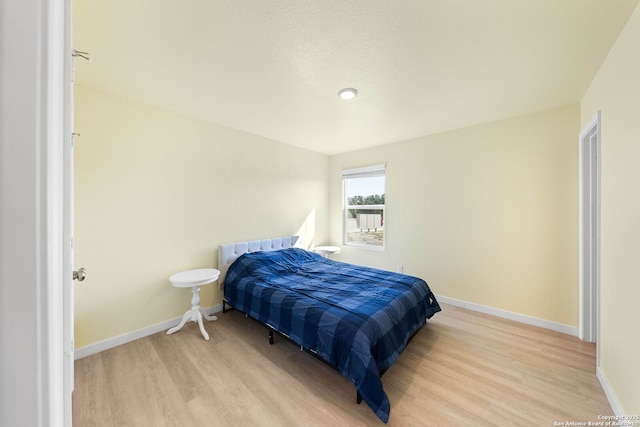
(486, 214)
(157, 192)
(616, 92)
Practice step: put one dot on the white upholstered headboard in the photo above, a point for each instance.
(230, 252)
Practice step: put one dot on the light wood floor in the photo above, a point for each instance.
(462, 368)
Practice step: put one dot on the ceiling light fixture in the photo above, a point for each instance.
(347, 93)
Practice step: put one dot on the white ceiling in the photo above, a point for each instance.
(274, 67)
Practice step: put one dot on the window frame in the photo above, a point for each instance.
(363, 172)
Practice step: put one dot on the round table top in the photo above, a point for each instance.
(196, 277)
(328, 249)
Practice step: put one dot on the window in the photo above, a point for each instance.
(364, 219)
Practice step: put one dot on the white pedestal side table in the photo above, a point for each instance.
(194, 279)
(325, 251)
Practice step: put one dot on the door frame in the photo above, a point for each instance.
(589, 234)
(31, 217)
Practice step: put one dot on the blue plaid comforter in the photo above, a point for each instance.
(358, 319)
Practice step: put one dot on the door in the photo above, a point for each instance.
(589, 153)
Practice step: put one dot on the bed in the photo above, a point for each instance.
(357, 319)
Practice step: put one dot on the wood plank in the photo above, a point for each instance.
(462, 368)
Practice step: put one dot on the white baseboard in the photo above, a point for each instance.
(534, 321)
(608, 391)
(132, 336)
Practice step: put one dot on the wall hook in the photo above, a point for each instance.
(83, 55)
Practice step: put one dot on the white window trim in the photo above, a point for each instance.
(362, 172)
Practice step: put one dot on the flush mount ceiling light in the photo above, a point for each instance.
(347, 93)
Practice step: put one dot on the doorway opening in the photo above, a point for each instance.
(589, 165)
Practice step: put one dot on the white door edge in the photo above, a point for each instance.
(68, 221)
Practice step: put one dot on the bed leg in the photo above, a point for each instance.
(225, 306)
(270, 336)
(358, 398)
